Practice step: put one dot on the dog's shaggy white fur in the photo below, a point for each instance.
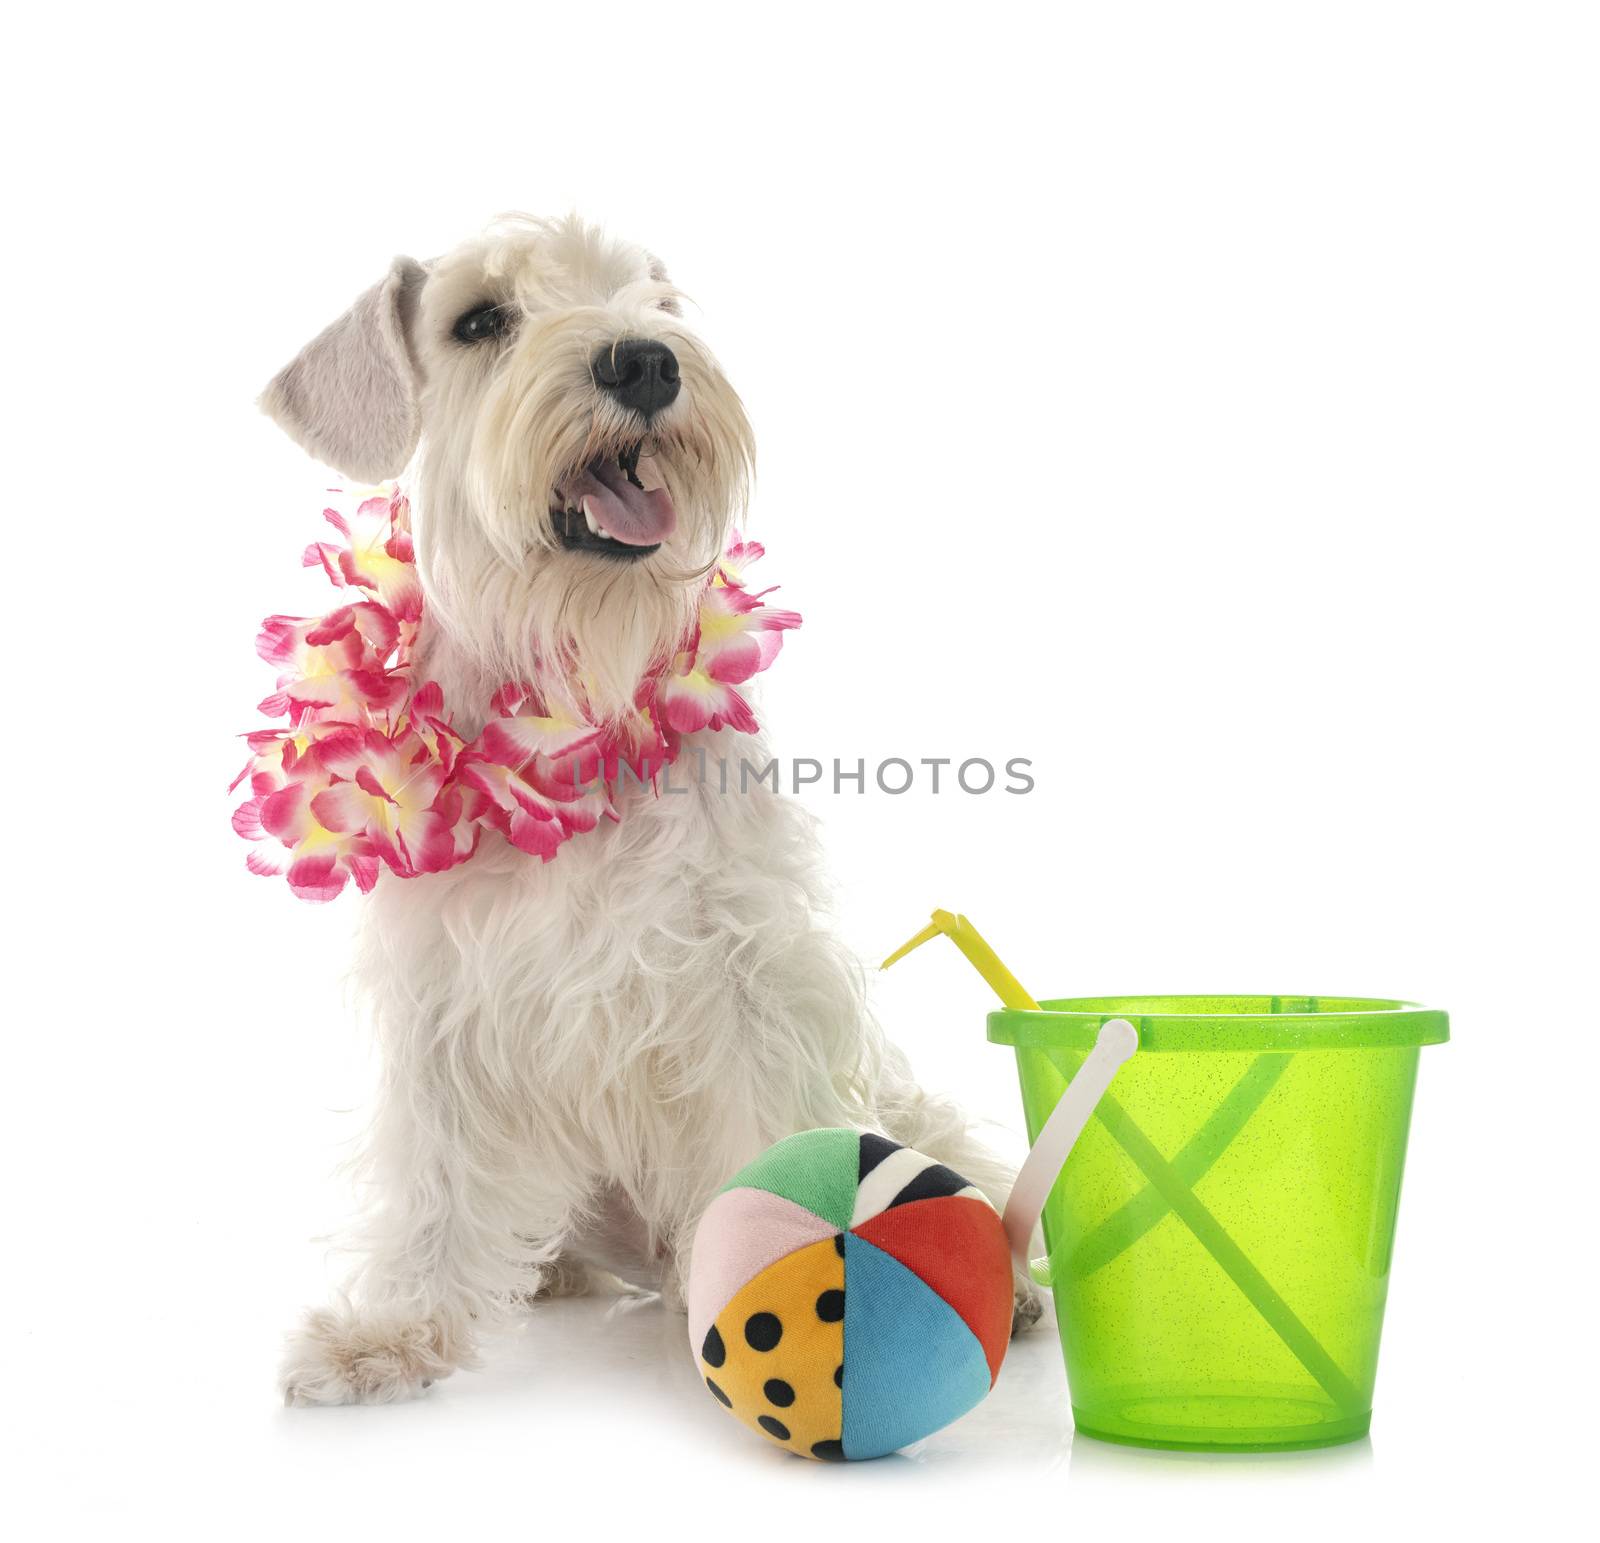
(577, 1053)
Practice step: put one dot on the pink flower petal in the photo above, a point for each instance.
(247, 820)
(428, 841)
(378, 689)
(332, 628)
(318, 878)
(343, 808)
(538, 838)
(377, 625)
(321, 553)
(267, 860)
(367, 780)
(286, 815)
(687, 704)
(515, 741)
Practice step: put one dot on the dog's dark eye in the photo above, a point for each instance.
(483, 321)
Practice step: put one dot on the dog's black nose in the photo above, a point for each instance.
(639, 374)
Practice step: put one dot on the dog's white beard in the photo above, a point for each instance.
(583, 630)
(609, 627)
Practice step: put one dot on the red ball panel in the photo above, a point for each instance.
(958, 1247)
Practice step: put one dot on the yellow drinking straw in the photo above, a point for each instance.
(984, 959)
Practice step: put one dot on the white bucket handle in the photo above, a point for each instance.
(1115, 1043)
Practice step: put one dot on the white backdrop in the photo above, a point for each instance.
(1197, 400)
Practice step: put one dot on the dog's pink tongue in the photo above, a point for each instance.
(634, 516)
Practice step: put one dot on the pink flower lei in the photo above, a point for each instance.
(369, 770)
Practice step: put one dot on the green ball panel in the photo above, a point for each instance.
(817, 1169)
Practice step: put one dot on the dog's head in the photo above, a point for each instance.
(576, 454)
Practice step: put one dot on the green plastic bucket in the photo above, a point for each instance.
(1219, 1240)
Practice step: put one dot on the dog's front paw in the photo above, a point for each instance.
(346, 1356)
(1027, 1305)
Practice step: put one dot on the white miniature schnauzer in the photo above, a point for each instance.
(576, 1054)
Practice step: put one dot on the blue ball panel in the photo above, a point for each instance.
(911, 1364)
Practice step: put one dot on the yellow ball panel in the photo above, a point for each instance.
(774, 1355)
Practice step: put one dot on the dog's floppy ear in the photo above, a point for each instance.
(349, 397)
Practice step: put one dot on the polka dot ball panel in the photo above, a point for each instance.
(848, 1296)
(772, 1355)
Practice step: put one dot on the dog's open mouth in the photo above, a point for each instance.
(617, 506)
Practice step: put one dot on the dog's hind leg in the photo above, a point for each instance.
(565, 1276)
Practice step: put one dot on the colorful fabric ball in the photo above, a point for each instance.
(848, 1296)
